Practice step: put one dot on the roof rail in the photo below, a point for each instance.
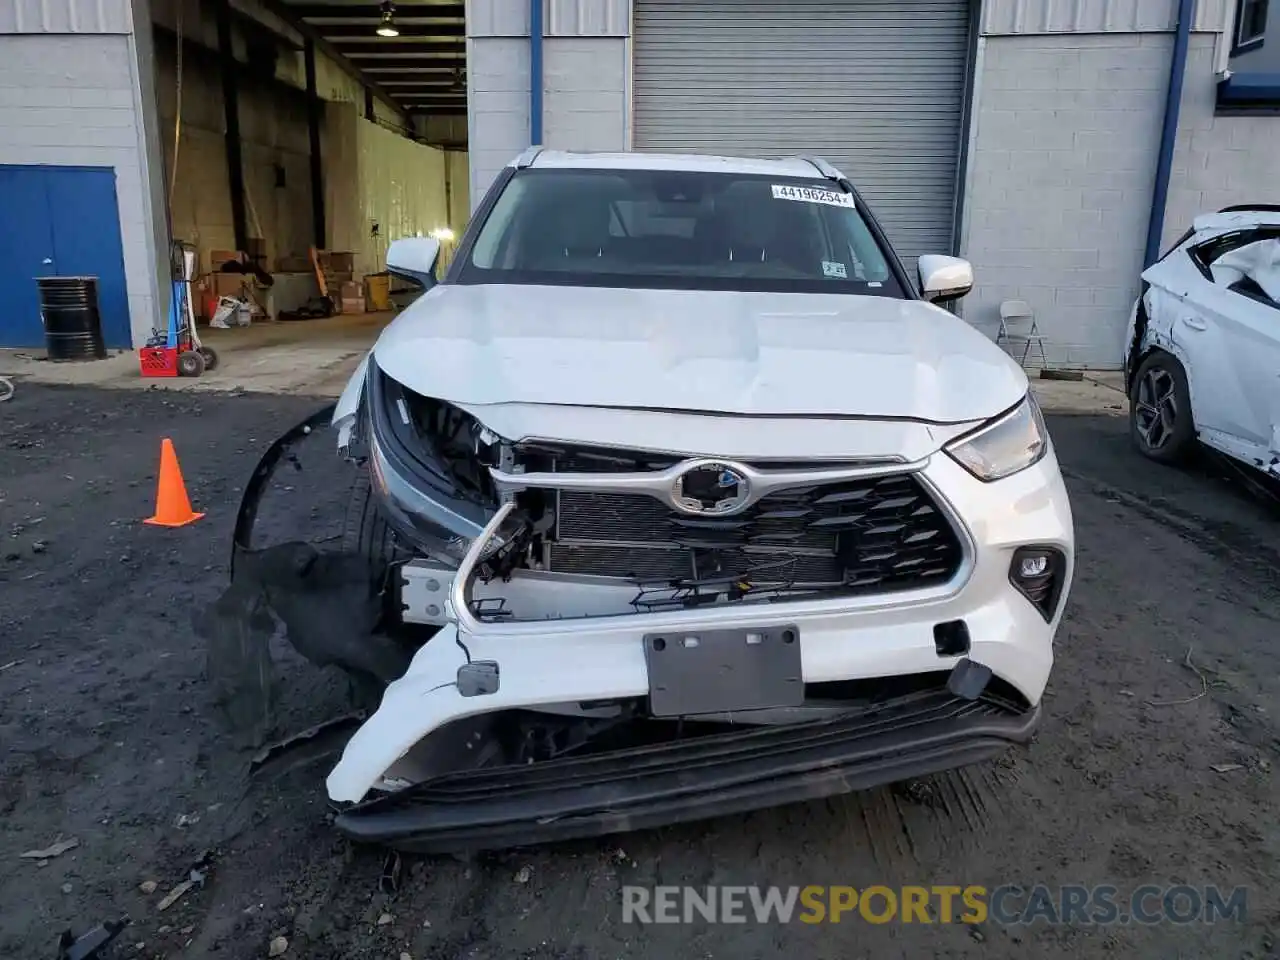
(526, 159)
(824, 168)
(1252, 208)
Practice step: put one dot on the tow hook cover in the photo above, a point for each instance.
(968, 679)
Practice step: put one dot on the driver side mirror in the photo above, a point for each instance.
(944, 278)
(415, 259)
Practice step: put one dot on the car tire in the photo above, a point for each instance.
(1161, 424)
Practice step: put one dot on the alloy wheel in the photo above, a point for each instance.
(1156, 413)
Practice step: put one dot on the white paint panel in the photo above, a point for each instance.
(65, 16)
(497, 18)
(374, 175)
(587, 18)
(1013, 17)
(560, 18)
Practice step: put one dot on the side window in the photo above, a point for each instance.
(1246, 263)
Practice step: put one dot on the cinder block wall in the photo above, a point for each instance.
(586, 70)
(1069, 108)
(1218, 161)
(68, 97)
(1063, 161)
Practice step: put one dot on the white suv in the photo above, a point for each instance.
(710, 506)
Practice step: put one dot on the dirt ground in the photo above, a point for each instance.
(109, 738)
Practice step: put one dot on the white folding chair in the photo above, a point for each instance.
(1013, 315)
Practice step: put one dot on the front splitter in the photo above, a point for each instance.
(619, 791)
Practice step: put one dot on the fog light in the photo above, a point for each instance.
(1033, 566)
(1037, 573)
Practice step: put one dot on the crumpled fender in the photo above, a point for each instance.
(348, 405)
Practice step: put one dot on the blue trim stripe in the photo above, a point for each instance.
(1169, 134)
(535, 72)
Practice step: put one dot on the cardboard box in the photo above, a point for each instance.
(218, 257)
(351, 306)
(338, 262)
(227, 284)
(350, 290)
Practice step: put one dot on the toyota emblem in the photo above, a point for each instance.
(710, 488)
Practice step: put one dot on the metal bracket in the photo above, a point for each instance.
(478, 678)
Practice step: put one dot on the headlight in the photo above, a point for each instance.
(1011, 442)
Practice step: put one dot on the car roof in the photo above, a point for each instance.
(1236, 218)
(784, 167)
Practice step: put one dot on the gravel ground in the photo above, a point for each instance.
(109, 737)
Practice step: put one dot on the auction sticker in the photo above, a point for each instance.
(782, 191)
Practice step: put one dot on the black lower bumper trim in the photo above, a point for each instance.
(509, 806)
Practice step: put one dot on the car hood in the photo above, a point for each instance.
(753, 354)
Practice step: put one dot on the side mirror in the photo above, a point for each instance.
(944, 278)
(415, 259)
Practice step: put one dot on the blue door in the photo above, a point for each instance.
(59, 221)
(26, 252)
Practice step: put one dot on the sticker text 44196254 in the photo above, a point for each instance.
(783, 191)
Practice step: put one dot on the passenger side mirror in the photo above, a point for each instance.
(415, 259)
(944, 278)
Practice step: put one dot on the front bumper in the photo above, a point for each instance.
(686, 780)
(555, 662)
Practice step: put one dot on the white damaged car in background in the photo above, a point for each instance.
(1202, 354)
(688, 499)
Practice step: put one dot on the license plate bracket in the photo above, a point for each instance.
(720, 671)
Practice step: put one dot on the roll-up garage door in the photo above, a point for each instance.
(875, 87)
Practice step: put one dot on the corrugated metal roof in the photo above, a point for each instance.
(560, 18)
(1000, 17)
(65, 16)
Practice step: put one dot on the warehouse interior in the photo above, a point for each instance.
(299, 140)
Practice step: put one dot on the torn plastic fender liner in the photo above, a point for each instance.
(329, 602)
(247, 515)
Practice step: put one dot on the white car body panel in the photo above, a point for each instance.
(755, 438)
(846, 639)
(752, 354)
(1228, 343)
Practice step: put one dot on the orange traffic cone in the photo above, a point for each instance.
(173, 509)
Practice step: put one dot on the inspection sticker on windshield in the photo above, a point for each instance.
(783, 191)
(832, 269)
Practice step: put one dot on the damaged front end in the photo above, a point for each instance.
(565, 639)
(616, 635)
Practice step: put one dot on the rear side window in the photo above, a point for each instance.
(1246, 262)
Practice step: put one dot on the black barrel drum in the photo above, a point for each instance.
(72, 324)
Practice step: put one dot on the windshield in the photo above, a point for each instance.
(678, 230)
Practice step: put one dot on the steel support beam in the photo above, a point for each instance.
(231, 118)
(314, 117)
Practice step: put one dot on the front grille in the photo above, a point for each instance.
(867, 535)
